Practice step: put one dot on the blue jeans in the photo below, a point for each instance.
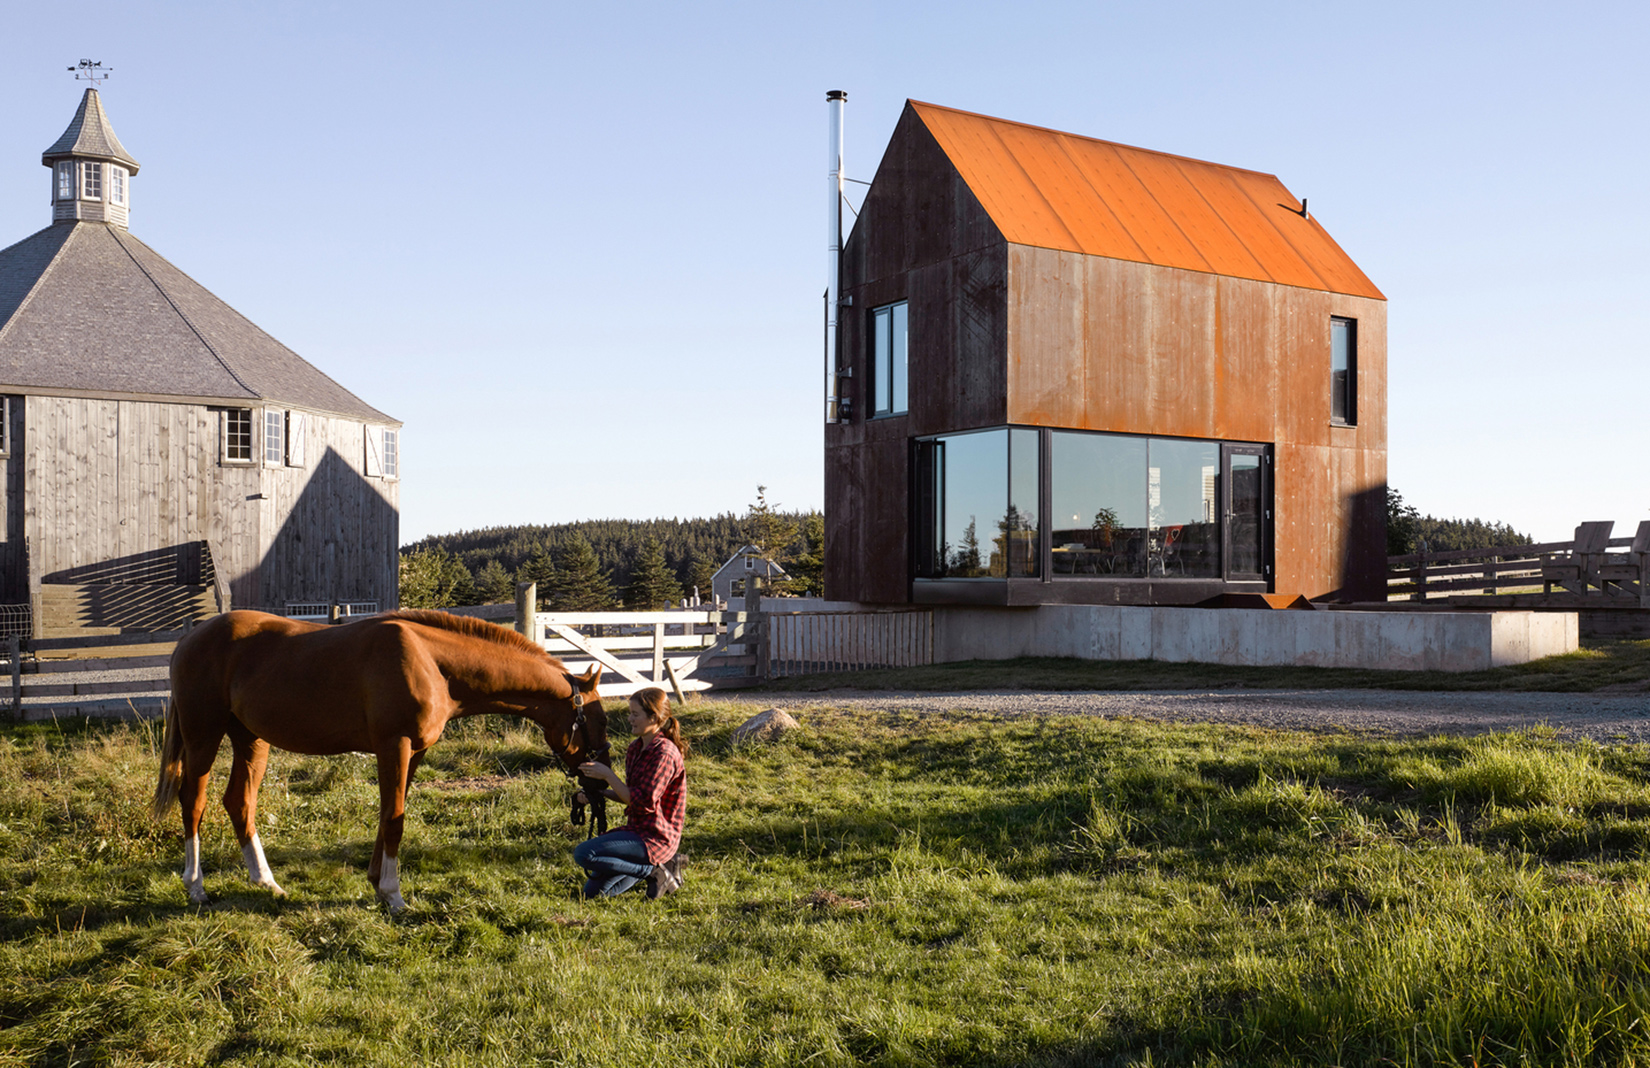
(616, 861)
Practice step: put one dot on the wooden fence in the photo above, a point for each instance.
(802, 643)
(1593, 570)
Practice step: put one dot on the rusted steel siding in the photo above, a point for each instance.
(1078, 194)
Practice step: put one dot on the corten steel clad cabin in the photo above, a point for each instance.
(1079, 372)
(155, 440)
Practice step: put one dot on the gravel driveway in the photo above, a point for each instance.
(1602, 718)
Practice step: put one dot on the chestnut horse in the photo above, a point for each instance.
(385, 685)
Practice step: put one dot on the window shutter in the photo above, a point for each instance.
(375, 464)
(295, 426)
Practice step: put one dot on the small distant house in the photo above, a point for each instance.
(1080, 372)
(729, 581)
(157, 449)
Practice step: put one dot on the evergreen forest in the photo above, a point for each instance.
(597, 564)
(1406, 528)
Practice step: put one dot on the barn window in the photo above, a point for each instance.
(117, 185)
(237, 436)
(1343, 372)
(888, 359)
(5, 426)
(91, 181)
(65, 180)
(392, 453)
(274, 437)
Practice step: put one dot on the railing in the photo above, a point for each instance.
(802, 643)
(1591, 568)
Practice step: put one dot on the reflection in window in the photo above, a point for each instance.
(977, 508)
(1343, 371)
(888, 359)
(1183, 530)
(1099, 504)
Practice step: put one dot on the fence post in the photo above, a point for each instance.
(755, 626)
(527, 608)
(14, 650)
(1421, 570)
(1490, 569)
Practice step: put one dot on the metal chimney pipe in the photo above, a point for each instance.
(834, 103)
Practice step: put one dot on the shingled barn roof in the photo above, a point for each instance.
(90, 136)
(1062, 191)
(87, 307)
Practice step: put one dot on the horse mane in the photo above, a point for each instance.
(475, 628)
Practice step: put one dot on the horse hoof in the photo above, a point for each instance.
(273, 887)
(197, 894)
(394, 903)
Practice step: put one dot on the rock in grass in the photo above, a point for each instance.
(767, 726)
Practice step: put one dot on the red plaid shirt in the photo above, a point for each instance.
(658, 795)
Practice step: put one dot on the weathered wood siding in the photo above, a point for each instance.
(107, 479)
(921, 237)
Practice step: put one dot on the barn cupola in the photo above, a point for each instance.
(91, 170)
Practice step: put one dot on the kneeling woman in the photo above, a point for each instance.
(656, 806)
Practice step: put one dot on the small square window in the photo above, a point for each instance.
(91, 181)
(888, 359)
(237, 436)
(1343, 372)
(274, 437)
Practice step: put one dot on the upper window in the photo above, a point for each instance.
(274, 437)
(392, 453)
(1343, 371)
(237, 436)
(65, 180)
(888, 363)
(91, 181)
(117, 185)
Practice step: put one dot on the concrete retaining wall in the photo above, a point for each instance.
(1431, 641)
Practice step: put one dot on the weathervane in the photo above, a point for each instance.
(91, 70)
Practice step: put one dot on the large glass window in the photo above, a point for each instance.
(888, 359)
(1099, 489)
(980, 516)
(1183, 525)
(1343, 371)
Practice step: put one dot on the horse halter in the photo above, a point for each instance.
(591, 787)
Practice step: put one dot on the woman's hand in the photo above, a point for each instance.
(580, 800)
(595, 769)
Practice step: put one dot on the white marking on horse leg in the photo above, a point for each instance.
(257, 867)
(389, 886)
(192, 880)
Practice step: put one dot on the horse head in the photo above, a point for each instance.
(586, 725)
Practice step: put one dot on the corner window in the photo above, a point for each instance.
(117, 185)
(1343, 372)
(91, 181)
(274, 437)
(392, 453)
(888, 359)
(65, 180)
(237, 436)
(978, 505)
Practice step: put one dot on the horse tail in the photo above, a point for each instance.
(171, 764)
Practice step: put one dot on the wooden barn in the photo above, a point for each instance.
(161, 454)
(1077, 372)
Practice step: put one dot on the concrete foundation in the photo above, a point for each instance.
(1420, 641)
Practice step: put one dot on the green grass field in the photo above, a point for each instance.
(879, 889)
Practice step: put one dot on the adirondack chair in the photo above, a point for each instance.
(1579, 570)
(1625, 575)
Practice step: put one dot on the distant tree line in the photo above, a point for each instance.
(1406, 528)
(599, 564)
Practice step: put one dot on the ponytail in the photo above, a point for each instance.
(657, 704)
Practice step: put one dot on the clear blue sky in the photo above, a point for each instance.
(579, 248)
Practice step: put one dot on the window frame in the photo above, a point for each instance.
(1343, 381)
(229, 451)
(390, 453)
(898, 360)
(274, 450)
(91, 180)
(65, 179)
(117, 185)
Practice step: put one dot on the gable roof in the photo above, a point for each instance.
(89, 134)
(88, 307)
(1078, 194)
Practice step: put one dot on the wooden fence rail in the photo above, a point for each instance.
(1591, 569)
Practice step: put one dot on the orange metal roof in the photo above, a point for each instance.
(1062, 191)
